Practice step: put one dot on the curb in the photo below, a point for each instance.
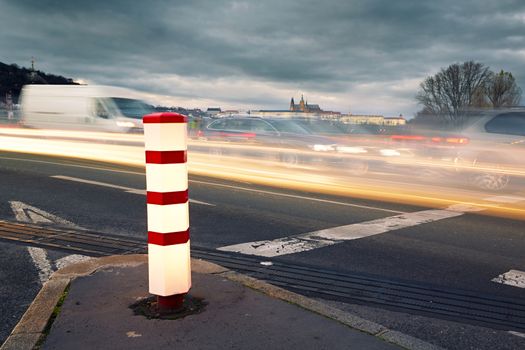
(31, 326)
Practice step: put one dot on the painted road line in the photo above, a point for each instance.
(336, 235)
(331, 236)
(69, 260)
(123, 188)
(517, 334)
(296, 196)
(42, 264)
(90, 167)
(27, 213)
(97, 183)
(514, 278)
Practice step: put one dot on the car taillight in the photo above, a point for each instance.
(408, 137)
(243, 135)
(457, 140)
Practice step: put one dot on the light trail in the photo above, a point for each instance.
(262, 169)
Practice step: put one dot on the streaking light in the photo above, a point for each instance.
(323, 148)
(262, 165)
(125, 124)
(389, 152)
(351, 150)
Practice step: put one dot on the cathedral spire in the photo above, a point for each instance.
(302, 107)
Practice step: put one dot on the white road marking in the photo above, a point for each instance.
(125, 189)
(323, 238)
(296, 196)
(69, 260)
(43, 265)
(327, 237)
(97, 183)
(518, 334)
(74, 165)
(514, 278)
(27, 213)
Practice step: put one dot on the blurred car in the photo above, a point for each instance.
(495, 152)
(349, 137)
(290, 141)
(488, 152)
(269, 131)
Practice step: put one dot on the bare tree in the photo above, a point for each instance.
(448, 93)
(501, 90)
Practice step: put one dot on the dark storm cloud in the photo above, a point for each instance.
(329, 46)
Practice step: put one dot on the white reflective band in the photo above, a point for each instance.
(165, 136)
(169, 269)
(166, 177)
(168, 218)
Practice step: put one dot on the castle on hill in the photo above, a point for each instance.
(304, 106)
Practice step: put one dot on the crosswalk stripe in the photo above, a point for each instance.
(514, 278)
(327, 237)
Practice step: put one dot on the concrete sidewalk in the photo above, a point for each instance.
(241, 313)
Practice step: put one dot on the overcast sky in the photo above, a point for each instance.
(365, 56)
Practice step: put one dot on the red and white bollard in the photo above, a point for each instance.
(165, 137)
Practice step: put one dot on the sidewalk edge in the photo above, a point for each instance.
(29, 329)
(33, 322)
(344, 317)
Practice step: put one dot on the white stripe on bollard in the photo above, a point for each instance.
(167, 136)
(169, 269)
(167, 206)
(161, 218)
(166, 177)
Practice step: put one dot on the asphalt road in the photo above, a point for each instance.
(465, 251)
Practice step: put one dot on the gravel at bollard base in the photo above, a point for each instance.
(149, 308)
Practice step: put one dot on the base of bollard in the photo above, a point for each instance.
(169, 308)
(170, 302)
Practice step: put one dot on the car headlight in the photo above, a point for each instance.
(125, 124)
(389, 152)
(351, 149)
(322, 148)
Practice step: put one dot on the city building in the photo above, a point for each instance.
(362, 119)
(213, 111)
(227, 113)
(372, 120)
(395, 121)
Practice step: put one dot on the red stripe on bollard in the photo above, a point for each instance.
(166, 157)
(170, 238)
(156, 118)
(165, 198)
(170, 302)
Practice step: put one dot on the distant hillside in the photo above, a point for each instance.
(13, 77)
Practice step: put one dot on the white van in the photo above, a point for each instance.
(82, 107)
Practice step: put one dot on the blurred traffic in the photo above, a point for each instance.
(394, 163)
(82, 107)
